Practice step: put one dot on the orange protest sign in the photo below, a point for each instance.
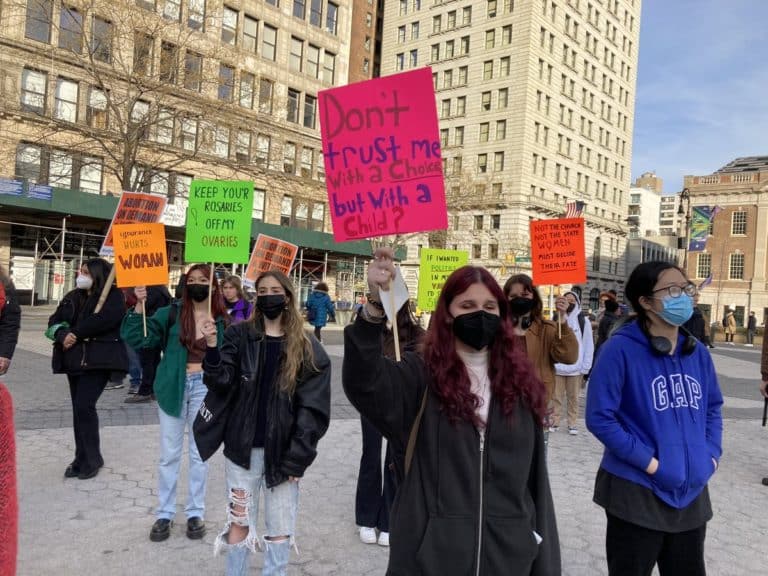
(134, 207)
(270, 254)
(557, 251)
(140, 254)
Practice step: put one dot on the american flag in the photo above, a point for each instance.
(574, 209)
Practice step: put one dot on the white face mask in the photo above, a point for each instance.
(84, 282)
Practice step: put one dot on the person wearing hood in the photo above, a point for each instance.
(655, 404)
(568, 377)
(320, 308)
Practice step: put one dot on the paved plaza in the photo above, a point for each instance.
(100, 526)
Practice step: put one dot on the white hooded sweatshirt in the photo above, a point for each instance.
(586, 344)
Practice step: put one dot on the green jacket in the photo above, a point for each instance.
(172, 372)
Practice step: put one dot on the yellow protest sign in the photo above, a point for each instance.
(436, 266)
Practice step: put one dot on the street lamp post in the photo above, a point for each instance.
(685, 196)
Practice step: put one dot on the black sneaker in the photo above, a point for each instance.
(72, 471)
(138, 399)
(765, 481)
(161, 530)
(195, 528)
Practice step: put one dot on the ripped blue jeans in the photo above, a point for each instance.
(280, 506)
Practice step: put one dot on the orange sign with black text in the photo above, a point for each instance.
(140, 255)
(557, 251)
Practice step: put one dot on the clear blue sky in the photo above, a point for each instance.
(702, 90)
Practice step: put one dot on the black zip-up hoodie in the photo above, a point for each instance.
(446, 520)
(295, 423)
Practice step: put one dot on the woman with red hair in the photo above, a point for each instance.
(178, 331)
(468, 412)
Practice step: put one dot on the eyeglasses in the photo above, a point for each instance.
(676, 291)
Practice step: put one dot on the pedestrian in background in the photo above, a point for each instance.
(545, 343)
(320, 308)
(177, 329)
(697, 323)
(10, 321)
(475, 498)
(238, 306)
(376, 487)
(654, 402)
(610, 316)
(751, 328)
(729, 323)
(87, 347)
(764, 380)
(570, 377)
(280, 409)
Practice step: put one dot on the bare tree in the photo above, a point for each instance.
(158, 92)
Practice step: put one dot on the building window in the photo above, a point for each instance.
(449, 49)
(316, 13)
(488, 70)
(458, 135)
(33, 89)
(444, 137)
(482, 163)
(400, 61)
(188, 134)
(269, 43)
(477, 251)
(498, 161)
(331, 18)
(229, 26)
(435, 54)
(101, 40)
(96, 114)
(504, 66)
(292, 111)
(485, 101)
(478, 222)
(91, 170)
(495, 221)
(484, 129)
(503, 98)
(736, 266)
(501, 129)
(60, 169)
(250, 34)
(266, 89)
(490, 38)
(313, 61)
(596, 255)
(403, 7)
(318, 216)
(329, 67)
(310, 107)
(437, 22)
(196, 14)
(65, 103)
(259, 196)
(193, 68)
(506, 35)
(138, 119)
(247, 82)
(169, 56)
(297, 54)
(164, 133)
(71, 30)
(38, 20)
(413, 60)
(263, 145)
(221, 142)
(703, 265)
(172, 10)
(491, 8)
(739, 223)
(142, 54)
(300, 8)
(29, 163)
(369, 20)
(414, 31)
(286, 210)
(493, 251)
(226, 82)
(307, 159)
(243, 147)
(289, 158)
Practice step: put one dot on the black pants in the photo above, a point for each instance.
(85, 390)
(372, 504)
(728, 337)
(150, 358)
(317, 333)
(633, 550)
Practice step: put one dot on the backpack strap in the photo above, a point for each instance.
(415, 432)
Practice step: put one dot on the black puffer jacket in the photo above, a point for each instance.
(461, 510)
(98, 346)
(296, 423)
(10, 322)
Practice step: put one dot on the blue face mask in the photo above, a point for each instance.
(676, 311)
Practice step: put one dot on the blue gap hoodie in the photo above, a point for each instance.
(642, 405)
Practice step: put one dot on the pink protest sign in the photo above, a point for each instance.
(382, 157)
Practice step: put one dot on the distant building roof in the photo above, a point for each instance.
(746, 164)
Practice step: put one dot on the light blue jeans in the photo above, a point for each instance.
(171, 447)
(281, 504)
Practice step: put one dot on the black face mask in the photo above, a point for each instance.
(271, 305)
(198, 292)
(570, 308)
(477, 329)
(520, 306)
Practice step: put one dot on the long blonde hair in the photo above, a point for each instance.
(298, 347)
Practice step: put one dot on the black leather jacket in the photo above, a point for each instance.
(295, 423)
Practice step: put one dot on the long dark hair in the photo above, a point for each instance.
(640, 284)
(187, 333)
(99, 270)
(512, 378)
(538, 307)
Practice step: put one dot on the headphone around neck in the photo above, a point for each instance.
(662, 346)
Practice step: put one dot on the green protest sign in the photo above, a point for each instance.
(436, 266)
(219, 221)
